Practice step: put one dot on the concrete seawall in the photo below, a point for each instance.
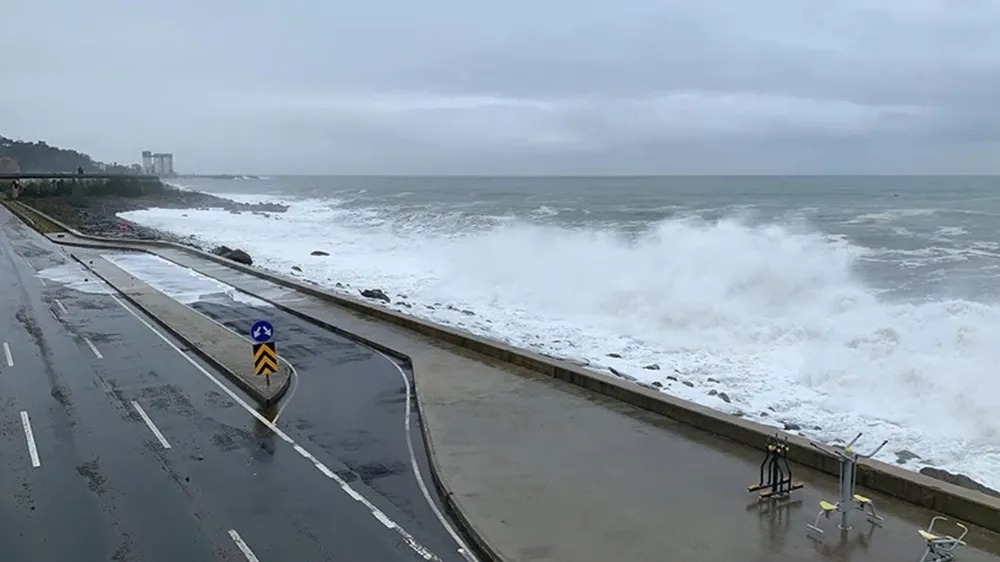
(970, 506)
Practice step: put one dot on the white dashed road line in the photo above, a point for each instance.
(30, 437)
(240, 544)
(414, 545)
(6, 352)
(151, 425)
(60, 306)
(93, 348)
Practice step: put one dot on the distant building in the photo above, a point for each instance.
(159, 164)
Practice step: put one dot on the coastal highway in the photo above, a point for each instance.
(117, 443)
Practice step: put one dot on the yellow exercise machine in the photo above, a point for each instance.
(940, 547)
(849, 500)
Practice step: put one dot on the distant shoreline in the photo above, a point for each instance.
(214, 177)
(99, 217)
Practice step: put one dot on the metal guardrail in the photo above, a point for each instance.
(71, 176)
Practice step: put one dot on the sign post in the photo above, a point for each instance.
(265, 353)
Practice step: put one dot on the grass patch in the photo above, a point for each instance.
(33, 220)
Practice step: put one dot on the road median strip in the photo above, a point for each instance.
(216, 344)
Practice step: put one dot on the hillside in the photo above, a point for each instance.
(39, 156)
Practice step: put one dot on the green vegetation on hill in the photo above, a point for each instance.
(79, 190)
(39, 156)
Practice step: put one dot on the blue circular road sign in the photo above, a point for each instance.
(262, 331)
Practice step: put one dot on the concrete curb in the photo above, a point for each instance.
(968, 505)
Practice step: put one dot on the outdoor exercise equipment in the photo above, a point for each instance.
(775, 473)
(940, 547)
(849, 500)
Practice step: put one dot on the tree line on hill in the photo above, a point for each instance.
(41, 157)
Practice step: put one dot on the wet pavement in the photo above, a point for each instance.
(143, 455)
(546, 471)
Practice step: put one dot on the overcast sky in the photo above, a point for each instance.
(519, 87)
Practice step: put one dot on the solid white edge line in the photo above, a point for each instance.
(421, 550)
(242, 545)
(463, 549)
(151, 425)
(30, 437)
(60, 306)
(6, 352)
(93, 348)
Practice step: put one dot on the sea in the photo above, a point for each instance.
(830, 306)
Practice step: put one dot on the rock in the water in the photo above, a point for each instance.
(615, 355)
(724, 397)
(905, 455)
(296, 268)
(791, 426)
(652, 367)
(239, 256)
(319, 253)
(658, 384)
(688, 383)
(377, 294)
(221, 250)
(958, 479)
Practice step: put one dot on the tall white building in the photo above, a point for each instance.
(160, 163)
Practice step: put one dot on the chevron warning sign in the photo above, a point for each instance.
(265, 358)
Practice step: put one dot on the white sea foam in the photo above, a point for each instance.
(179, 283)
(773, 316)
(73, 275)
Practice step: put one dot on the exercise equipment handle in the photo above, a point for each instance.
(875, 452)
(853, 441)
(825, 449)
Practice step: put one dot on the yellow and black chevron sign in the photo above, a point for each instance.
(265, 358)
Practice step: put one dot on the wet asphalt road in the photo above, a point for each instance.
(84, 371)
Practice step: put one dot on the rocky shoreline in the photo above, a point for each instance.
(99, 217)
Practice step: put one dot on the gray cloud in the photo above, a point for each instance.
(444, 86)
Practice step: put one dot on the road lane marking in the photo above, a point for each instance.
(150, 424)
(93, 348)
(463, 549)
(60, 306)
(30, 437)
(6, 352)
(240, 544)
(42, 281)
(410, 541)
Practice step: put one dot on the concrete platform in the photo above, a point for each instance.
(542, 470)
(226, 351)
